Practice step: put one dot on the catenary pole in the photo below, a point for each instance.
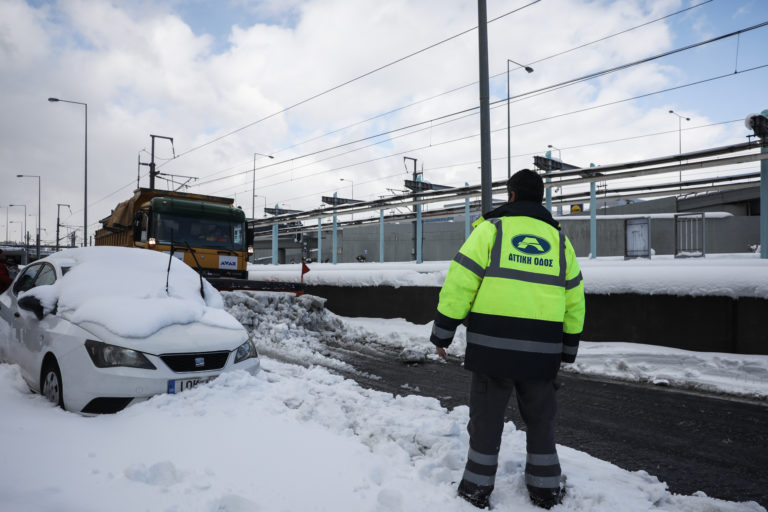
(486, 175)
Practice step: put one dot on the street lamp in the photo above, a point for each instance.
(353, 191)
(58, 222)
(680, 136)
(353, 185)
(529, 69)
(16, 222)
(38, 209)
(24, 234)
(265, 204)
(253, 192)
(559, 153)
(85, 180)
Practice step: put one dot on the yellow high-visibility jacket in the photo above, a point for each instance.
(517, 283)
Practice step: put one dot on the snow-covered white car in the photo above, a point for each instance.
(94, 329)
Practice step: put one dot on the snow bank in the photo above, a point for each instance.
(289, 438)
(300, 330)
(729, 275)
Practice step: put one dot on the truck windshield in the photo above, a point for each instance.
(210, 233)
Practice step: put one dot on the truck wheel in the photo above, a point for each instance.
(51, 385)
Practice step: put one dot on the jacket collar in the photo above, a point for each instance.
(523, 209)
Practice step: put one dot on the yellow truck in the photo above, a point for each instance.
(207, 232)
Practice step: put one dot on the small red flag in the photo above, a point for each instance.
(304, 268)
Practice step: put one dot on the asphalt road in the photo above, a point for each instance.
(693, 442)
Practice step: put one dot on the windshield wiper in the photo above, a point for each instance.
(170, 258)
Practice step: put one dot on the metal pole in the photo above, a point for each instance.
(38, 219)
(764, 199)
(333, 256)
(418, 230)
(274, 240)
(381, 236)
(466, 215)
(509, 140)
(85, 182)
(486, 175)
(58, 215)
(253, 191)
(26, 238)
(592, 218)
(548, 154)
(6, 223)
(319, 239)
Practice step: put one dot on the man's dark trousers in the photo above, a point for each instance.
(537, 402)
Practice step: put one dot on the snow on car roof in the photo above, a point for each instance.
(124, 290)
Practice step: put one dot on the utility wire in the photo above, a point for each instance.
(424, 100)
(339, 86)
(594, 107)
(526, 95)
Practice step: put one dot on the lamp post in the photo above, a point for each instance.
(24, 234)
(265, 204)
(549, 190)
(6, 223)
(85, 176)
(680, 135)
(353, 191)
(529, 69)
(253, 192)
(58, 222)
(15, 222)
(37, 251)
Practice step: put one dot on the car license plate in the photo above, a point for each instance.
(177, 386)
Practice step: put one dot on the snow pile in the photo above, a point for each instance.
(115, 286)
(397, 274)
(729, 275)
(289, 438)
(740, 375)
(300, 329)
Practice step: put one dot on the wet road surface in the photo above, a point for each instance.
(691, 441)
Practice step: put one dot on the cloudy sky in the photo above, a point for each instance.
(302, 80)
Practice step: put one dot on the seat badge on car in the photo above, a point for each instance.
(199, 362)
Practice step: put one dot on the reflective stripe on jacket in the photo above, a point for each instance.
(517, 282)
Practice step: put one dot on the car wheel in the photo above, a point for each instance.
(51, 387)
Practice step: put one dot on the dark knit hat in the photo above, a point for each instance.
(527, 185)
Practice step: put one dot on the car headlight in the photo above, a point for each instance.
(250, 250)
(245, 351)
(104, 355)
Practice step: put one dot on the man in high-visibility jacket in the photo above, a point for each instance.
(518, 286)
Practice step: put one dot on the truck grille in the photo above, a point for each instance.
(199, 362)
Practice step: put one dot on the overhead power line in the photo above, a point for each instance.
(418, 102)
(527, 95)
(339, 86)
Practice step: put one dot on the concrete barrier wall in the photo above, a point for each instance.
(709, 324)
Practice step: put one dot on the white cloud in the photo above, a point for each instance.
(144, 68)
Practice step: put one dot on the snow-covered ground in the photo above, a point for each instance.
(730, 275)
(296, 437)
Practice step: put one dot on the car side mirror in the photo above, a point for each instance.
(32, 303)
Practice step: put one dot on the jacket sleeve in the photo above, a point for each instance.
(575, 307)
(465, 274)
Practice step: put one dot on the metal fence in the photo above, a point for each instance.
(689, 235)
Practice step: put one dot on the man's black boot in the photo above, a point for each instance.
(546, 498)
(477, 496)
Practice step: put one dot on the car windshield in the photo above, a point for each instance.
(211, 233)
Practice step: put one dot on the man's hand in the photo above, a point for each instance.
(441, 352)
